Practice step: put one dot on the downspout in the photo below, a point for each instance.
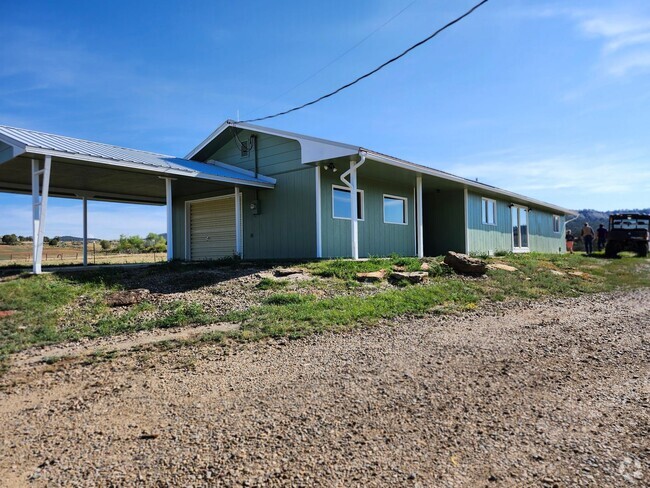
(565, 223)
(354, 212)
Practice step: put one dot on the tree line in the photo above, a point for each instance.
(125, 244)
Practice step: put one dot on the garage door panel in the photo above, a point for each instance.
(212, 229)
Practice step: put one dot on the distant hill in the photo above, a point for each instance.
(74, 239)
(595, 218)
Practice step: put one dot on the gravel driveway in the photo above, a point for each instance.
(551, 393)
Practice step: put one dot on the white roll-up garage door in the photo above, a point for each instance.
(212, 228)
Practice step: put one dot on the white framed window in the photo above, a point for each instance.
(519, 217)
(489, 211)
(395, 210)
(556, 224)
(341, 203)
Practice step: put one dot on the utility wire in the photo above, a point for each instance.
(370, 73)
(337, 58)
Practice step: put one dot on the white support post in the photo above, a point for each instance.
(170, 219)
(420, 219)
(85, 230)
(319, 219)
(36, 215)
(354, 211)
(39, 209)
(238, 209)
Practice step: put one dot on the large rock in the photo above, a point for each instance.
(462, 263)
(372, 276)
(502, 266)
(127, 297)
(412, 276)
(281, 272)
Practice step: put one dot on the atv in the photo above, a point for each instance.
(628, 232)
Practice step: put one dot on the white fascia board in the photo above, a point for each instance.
(243, 171)
(146, 167)
(382, 158)
(17, 148)
(12, 142)
(313, 149)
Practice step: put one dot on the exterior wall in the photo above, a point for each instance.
(285, 227)
(444, 222)
(486, 238)
(375, 237)
(542, 237)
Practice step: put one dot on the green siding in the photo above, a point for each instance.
(286, 224)
(485, 238)
(275, 154)
(444, 222)
(285, 227)
(375, 237)
(542, 237)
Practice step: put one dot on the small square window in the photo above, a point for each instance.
(489, 211)
(341, 203)
(556, 223)
(395, 210)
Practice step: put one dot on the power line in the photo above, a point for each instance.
(370, 73)
(337, 58)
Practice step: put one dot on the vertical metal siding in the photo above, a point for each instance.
(485, 238)
(375, 237)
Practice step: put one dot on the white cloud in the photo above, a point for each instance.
(624, 33)
(590, 179)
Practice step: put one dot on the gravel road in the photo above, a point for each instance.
(551, 393)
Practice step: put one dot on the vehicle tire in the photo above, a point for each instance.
(643, 250)
(611, 250)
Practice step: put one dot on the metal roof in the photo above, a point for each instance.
(33, 142)
(325, 149)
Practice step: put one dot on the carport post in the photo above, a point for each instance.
(85, 230)
(420, 224)
(39, 209)
(238, 212)
(170, 230)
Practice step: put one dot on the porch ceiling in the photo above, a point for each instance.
(72, 178)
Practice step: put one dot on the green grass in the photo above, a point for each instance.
(42, 302)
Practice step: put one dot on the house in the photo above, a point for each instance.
(264, 193)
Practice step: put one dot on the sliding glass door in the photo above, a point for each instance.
(519, 228)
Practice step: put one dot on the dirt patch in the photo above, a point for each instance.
(552, 393)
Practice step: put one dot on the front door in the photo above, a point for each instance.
(519, 228)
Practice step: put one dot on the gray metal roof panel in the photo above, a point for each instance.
(80, 147)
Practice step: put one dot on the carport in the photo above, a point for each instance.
(47, 165)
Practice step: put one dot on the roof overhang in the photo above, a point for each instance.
(464, 182)
(312, 149)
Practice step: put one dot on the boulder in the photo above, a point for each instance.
(502, 266)
(372, 276)
(462, 263)
(556, 272)
(425, 266)
(412, 276)
(287, 271)
(126, 297)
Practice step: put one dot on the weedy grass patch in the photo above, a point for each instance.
(39, 303)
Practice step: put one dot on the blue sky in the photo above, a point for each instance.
(545, 98)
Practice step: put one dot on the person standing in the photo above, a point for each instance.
(569, 240)
(587, 235)
(601, 234)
